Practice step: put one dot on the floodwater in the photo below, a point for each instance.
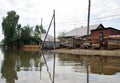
(48, 67)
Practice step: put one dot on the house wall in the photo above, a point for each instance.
(115, 32)
(106, 32)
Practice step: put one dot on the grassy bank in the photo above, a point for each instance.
(89, 52)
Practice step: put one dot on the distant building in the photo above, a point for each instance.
(100, 37)
(76, 35)
(81, 31)
(49, 42)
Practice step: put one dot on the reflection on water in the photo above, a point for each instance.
(48, 67)
(98, 64)
(105, 65)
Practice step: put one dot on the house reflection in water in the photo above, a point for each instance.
(104, 65)
(97, 64)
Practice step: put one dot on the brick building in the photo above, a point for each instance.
(100, 37)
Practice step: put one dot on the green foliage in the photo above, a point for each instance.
(42, 30)
(37, 33)
(39, 29)
(9, 27)
(26, 34)
(16, 39)
(16, 35)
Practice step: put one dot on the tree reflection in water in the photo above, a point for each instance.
(15, 61)
(8, 69)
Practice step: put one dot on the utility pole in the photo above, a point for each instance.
(88, 22)
(88, 26)
(54, 46)
(47, 32)
(53, 19)
(54, 31)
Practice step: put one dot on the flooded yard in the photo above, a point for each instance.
(47, 67)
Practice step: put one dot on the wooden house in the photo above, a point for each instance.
(100, 37)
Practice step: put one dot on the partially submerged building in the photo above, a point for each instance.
(78, 35)
(101, 38)
(49, 42)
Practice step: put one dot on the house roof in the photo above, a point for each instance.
(106, 29)
(48, 38)
(81, 31)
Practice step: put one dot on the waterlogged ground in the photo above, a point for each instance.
(46, 67)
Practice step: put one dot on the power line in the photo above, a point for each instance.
(104, 18)
(110, 16)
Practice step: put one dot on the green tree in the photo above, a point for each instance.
(26, 34)
(37, 33)
(16, 35)
(42, 30)
(36, 37)
(9, 25)
(39, 29)
(16, 39)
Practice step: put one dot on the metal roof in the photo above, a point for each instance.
(81, 31)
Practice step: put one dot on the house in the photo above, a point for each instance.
(113, 42)
(76, 35)
(81, 31)
(100, 37)
(49, 42)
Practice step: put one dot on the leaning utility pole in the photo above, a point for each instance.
(88, 21)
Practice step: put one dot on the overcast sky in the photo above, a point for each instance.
(69, 13)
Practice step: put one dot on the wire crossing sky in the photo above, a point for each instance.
(69, 13)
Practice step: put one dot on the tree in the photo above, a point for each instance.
(39, 29)
(9, 25)
(42, 29)
(16, 39)
(16, 35)
(26, 34)
(37, 33)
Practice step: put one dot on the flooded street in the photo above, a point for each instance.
(47, 67)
